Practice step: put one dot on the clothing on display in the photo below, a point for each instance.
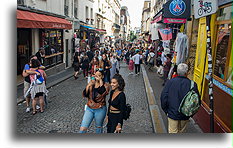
(166, 33)
(181, 47)
(166, 44)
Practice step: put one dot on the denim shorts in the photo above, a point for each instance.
(97, 114)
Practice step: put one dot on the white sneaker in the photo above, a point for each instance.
(27, 109)
(37, 107)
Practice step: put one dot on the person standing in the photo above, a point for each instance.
(96, 92)
(38, 90)
(41, 55)
(171, 97)
(136, 58)
(166, 68)
(26, 74)
(117, 105)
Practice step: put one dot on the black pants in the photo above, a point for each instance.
(112, 122)
(137, 68)
(165, 75)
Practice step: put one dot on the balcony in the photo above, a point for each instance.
(116, 26)
(66, 10)
(76, 12)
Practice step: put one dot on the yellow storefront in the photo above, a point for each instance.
(221, 42)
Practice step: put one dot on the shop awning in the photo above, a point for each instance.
(88, 27)
(102, 31)
(26, 19)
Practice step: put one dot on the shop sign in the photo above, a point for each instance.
(223, 2)
(174, 20)
(157, 18)
(204, 8)
(177, 9)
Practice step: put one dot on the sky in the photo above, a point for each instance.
(135, 11)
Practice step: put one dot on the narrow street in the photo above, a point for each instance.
(66, 108)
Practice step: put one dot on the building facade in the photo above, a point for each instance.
(44, 24)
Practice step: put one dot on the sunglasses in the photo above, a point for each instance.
(92, 78)
(99, 69)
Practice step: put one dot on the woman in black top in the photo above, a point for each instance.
(85, 64)
(117, 105)
(107, 67)
(76, 64)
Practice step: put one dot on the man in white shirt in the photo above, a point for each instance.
(136, 58)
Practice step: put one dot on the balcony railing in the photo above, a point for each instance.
(66, 10)
(116, 26)
(20, 2)
(76, 12)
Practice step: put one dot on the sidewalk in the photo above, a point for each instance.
(51, 81)
(155, 86)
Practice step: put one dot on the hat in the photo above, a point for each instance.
(137, 50)
(166, 51)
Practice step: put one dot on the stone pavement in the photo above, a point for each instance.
(66, 108)
(156, 82)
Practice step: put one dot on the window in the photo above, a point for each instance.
(222, 61)
(66, 8)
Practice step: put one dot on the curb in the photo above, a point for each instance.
(156, 117)
(48, 86)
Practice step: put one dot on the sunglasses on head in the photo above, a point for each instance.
(99, 69)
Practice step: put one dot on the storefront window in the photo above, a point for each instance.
(224, 13)
(223, 38)
(52, 41)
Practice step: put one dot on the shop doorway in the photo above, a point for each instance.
(67, 51)
(24, 50)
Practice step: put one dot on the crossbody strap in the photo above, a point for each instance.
(192, 85)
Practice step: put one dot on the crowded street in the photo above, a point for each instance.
(115, 66)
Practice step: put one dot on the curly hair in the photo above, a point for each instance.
(120, 80)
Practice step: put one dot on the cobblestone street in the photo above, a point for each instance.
(66, 108)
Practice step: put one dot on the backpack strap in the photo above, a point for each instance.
(192, 85)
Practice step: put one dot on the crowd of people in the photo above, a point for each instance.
(101, 68)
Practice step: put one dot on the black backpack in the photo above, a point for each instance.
(127, 112)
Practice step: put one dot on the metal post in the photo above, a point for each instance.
(210, 70)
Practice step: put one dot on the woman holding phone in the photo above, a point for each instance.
(95, 92)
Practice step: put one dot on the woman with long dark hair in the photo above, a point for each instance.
(117, 105)
(96, 92)
(76, 64)
(107, 67)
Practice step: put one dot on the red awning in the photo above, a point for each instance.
(26, 19)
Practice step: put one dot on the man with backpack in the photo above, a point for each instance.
(180, 100)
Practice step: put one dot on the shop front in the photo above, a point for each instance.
(39, 30)
(221, 42)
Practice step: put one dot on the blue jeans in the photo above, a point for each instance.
(97, 114)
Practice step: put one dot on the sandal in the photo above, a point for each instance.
(41, 111)
(34, 112)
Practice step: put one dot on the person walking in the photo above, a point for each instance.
(96, 92)
(136, 58)
(174, 91)
(131, 64)
(113, 69)
(76, 65)
(107, 66)
(85, 65)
